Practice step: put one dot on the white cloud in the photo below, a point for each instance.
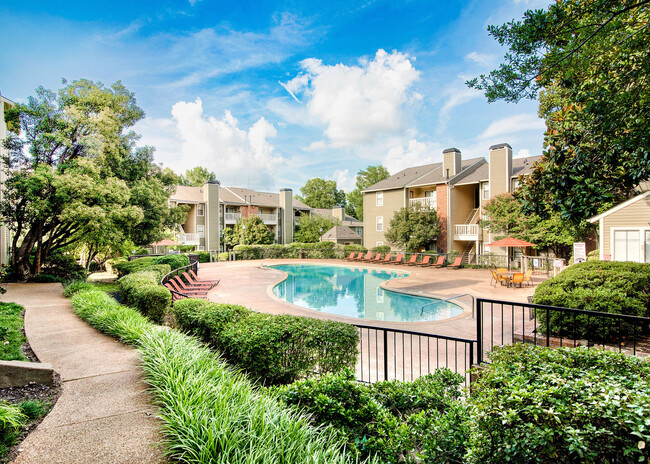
(483, 59)
(525, 153)
(413, 154)
(238, 156)
(317, 145)
(357, 104)
(512, 125)
(456, 97)
(343, 180)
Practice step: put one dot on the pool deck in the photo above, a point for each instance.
(248, 283)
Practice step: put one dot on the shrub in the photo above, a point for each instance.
(272, 349)
(533, 404)
(141, 251)
(46, 279)
(593, 255)
(204, 256)
(611, 287)
(141, 290)
(63, 266)
(174, 261)
(396, 421)
(318, 250)
(11, 422)
(381, 249)
(126, 267)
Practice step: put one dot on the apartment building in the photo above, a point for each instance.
(213, 208)
(5, 235)
(457, 189)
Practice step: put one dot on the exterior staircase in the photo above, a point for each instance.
(467, 252)
(473, 217)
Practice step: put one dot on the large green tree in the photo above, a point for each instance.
(74, 175)
(414, 227)
(588, 61)
(311, 228)
(196, 177)
(250, 230)
(321, 193)
(365, 178)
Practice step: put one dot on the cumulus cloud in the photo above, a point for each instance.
(512, 125)
(238, 156)
(357, 104)
(413, 154)
(483, 59)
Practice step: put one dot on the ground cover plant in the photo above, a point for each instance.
(319, 250)
(210, 412)
(11, 332)
(611, 287)
(273, 349)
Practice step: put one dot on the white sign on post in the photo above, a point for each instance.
(579, 252)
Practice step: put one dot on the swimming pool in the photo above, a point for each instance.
(356, 292)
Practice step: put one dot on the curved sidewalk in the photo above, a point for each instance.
(104, 414)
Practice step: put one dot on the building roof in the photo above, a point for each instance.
(328, 213)
(404, 177)
(340, 233)
(187, 194)
(233, 196)
(524, 166)
(438, 177)
(618, 207)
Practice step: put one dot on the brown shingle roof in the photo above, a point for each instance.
(437, 176)
(347, 219)
(341, 233)
(185, 194)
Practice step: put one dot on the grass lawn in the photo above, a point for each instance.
(11, 332)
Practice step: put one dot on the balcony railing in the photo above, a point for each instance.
(269, 218)
(188, 239)
(425, 201)
(466, 232)
(231, 218)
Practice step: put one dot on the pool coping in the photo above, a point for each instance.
(467, 310)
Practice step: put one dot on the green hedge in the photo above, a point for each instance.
(210, 413)
(143, 291)
(272, 349)
(174, 261)
(204, 256)
(610, 287)
(567, 405)
(318, 250)
(145, 263)
(396, 421)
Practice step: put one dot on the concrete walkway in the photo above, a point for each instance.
(104, 414)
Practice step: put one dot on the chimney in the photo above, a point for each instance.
(451, 162)
(500, 168)
(286, 216)
(211, 198)
(338, 212)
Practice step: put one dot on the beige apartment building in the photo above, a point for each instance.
(214, 208)
(457, 189)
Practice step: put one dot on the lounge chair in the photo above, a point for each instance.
(193, 293)
(191, 288)
(196, 278)
(175, 295)
(397, 260)
(528, 277)
(386, 259)
(517, 278)
(425, 261)
(199, 283)
(412, 261)
(368, 257)
(350, 257)
(440, 262)
(457, 262)
(377, 258)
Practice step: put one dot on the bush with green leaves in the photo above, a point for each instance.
(318, 250)
(610, 287)
(174, 261)
(210, 413)
(567, 405)
(395, 421)
(127, 267)
(143, 291)
(204, 256)
(271, 348)
(381, 249)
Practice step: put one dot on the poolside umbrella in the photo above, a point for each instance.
(163, 243)
(510, 242)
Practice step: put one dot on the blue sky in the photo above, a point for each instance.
(268, 94)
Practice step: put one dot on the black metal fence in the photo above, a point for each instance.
(386, 354)
(501, 323)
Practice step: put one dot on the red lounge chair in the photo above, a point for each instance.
(386, 259)
(196, 279)
(197, 283)
(350, 257)
(456, 264)
(367, 258)
(440, 262)
(187, 292)
(175, 295)
(425, 261)
(189, 287)
(397, 260)
(411, 262)
(358, 257)
(377, 258)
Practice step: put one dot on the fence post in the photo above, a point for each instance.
(479, 331)
(385, 355)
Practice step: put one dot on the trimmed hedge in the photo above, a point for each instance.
(146, 263)
(174, 261)
(142, 290)
(204, 256)
(318, 250)
(273, 349)
(610, 287)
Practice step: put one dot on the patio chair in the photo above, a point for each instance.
(369, 257)
(386, 258)
(502, 270)
(440, 262)
(528, 277)
(412, 261)
(350, 257)
(517, 278)
(189, 287)
(358, 256)
(199, 283)
(175, 295)
(457, 263)
(377, 258)
(203, 281)
(503, 279)
(397, 260)
(425, 261)
(193, 293)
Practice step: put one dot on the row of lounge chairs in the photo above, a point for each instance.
(388, 259)
(189, 285)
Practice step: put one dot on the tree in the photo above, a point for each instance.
(589, 62)
(320, 193)
(73, 175)
(249, 231)
(365, 179)
(505, 216)
(196, 177)
(414, 227)
(311, 228)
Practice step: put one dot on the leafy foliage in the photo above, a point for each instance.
(143, 291)
(312, 227)
(320, 193)
(589, 63)
(318, 250)
(249, 231)
(413, 227)
(196, 177)
(365, 178)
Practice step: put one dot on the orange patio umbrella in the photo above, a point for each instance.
(163, 243)
(510, 242)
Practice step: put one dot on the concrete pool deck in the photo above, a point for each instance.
(249, 284)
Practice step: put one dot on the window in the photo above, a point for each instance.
(379, 244)
(486, 191)
(627, 245)
(380, 199)
(199, 209)
(200, 248)
(380, 223)
(200, 231)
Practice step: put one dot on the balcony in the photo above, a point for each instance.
(268, 218)
(231, 218)
(188, 239)
(424, 201)
(466, 232)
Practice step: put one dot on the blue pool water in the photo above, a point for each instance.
(356, 292)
